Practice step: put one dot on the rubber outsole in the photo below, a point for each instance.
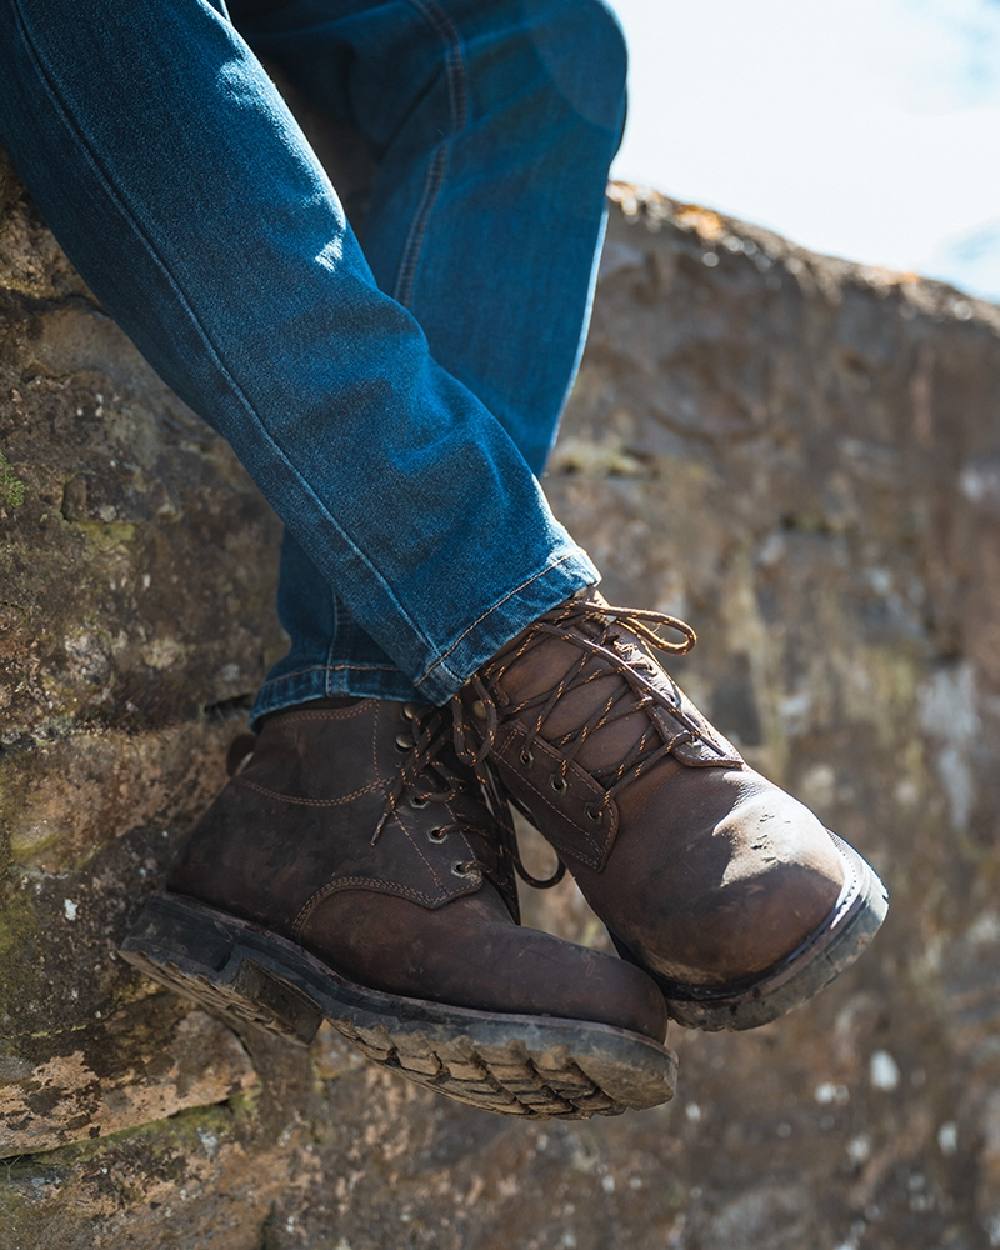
(831, 948)
(525, 1065)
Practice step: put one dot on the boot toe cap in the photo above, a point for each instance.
(751, 875)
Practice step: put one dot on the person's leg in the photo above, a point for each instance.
(351, 869)
(492, 125)
(176, 179)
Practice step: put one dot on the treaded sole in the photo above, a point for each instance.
(534, 1066)
(831, 948)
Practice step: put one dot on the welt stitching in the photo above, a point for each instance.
(48, 81)
(304, 802)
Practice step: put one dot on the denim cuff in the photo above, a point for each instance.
(561, 576)
(319, 681)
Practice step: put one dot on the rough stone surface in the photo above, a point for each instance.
(802, 457)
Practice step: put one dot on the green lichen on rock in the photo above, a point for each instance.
(19, 940)
(12, 488)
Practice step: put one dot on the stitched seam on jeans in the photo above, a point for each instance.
(324, 668)
(333, 636)
(547, 567)
(433, 180)
(408, 263)
(89, 150)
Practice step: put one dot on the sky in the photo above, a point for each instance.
(865, 128)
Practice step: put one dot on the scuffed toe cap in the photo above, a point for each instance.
(749, 875)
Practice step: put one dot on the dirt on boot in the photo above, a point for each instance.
(352, 869)
(727, 890)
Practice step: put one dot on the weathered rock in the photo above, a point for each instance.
(801, 456)
(98, 1087)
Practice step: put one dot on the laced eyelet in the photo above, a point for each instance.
(464, 868)
(558, 783)
(403, 743)
(594, 813)
(436, 835)
(418, 802)
(526, 757)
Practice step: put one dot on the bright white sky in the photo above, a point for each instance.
(864, 128)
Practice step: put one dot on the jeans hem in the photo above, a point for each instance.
(511, 614)
(560, 578)
(321, 680)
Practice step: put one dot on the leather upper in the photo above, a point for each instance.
(707, 872)
(400, 878)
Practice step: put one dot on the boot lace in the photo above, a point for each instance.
(595, 629)
(430, 773)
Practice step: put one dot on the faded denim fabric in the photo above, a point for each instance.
(394, 397)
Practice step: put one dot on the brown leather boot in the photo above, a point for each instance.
(352, 869)
(730, 892)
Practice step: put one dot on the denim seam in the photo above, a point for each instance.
(333, 668)
(454, 62)
(551, 563)
(334, 630)
(49, 83)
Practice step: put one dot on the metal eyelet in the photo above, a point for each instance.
(479, 709)
(463, 868)
(418, 802)
(409, 712)
(403, 743)
(436, 835)
(593, 813)
(558, 783)
(526, 757)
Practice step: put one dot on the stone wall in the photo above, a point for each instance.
(799, 455)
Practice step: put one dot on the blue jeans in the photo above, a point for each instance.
(394, 396)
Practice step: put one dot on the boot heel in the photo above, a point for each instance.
(199, 953)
